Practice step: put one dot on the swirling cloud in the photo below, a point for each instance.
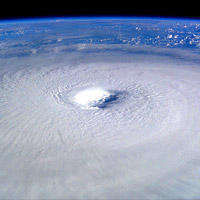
(143, 144)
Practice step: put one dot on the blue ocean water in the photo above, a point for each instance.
(23, 36)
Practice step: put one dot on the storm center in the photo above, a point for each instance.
(93, 98)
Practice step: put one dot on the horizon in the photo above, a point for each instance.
(95, 17)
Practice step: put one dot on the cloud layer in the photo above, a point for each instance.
(144, 146)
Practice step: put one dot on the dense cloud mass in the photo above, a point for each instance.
(141, 144)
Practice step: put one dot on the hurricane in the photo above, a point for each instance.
(82, 119)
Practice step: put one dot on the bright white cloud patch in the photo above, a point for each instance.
(92, 97)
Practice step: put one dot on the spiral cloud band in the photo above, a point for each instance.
(142, 141)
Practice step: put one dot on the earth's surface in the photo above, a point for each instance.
(100, 109)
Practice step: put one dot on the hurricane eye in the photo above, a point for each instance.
(94, 98)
